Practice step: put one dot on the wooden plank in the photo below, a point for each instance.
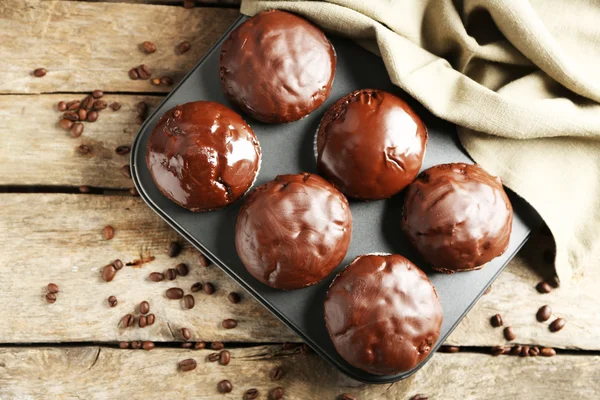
(87, 46)
(57, 238)
(101, 373)
(198, 3)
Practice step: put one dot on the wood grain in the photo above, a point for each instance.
(105, 373)
(57, 238)
(198, 3)
(87, 46)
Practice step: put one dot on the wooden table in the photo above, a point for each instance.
(50, 232)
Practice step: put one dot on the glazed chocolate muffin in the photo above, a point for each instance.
(370, 144)
(457, 216)
(202, 155)
(293, 231)
(383, 314)
(277, 67)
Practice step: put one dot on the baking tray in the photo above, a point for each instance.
(288, 148)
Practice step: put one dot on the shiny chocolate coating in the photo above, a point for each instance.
(457, 216)
(203, 155)
(293, 231)
(277, 67)
(383, 314)
(370, 144)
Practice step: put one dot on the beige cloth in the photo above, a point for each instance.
(511, 69)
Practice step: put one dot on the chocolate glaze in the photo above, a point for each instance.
(457, 216)
(383, 314)
(277, 67)
(370, 144)
(293, 231)
(202, 155)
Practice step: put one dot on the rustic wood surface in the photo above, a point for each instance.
(51, 233)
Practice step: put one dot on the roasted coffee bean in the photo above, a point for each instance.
(155, 81)
(66, 124)
(142, 321)
(209, 288)
(174, 293)
(84, 149)
(122, 150)
(225, 386)
(171, 274)
(199, 345)
(133, 192)
(126, 171)
(127, 320)
(109, 232)
(187, 345)
(496, 320)
(115, 106)
(52, 288)
(557, 325)
(174, 249)
(156, 277)
(217, 345)
(347, 396)
(39, 72)
(547, 352)
(112, 301)
(82, 114)
(497, 350)
(251, 394)
(234, 297)
(449, 349)
(97, 94)
(509, 333)
(123, 345)
(166, 80)
(109, 272)
(196, 287)
(151, 319)
(224, 357)
(188, 365)
(276, 373)
(144, 72)
(144, 307)
(71, 116)
(100, 105)
(277, 393)
(189, 3)
(188, 301)
(84, 189)
(534, 351)
(419, 397)
(182, 269)
(62, 106)
(87, 103)
(76, 130)
(185, 332)
(148, 345)
(524, 351)
(133, 74)
(118, 264)
(73, 105)
(204, 261)
(543, 313)
(184, 47)
(212, 357)
(142, 108)
(148, 47)
(515, 351)
(136, 344)
(543, 287)
(50, 298)
(92, 116)
(229, 323)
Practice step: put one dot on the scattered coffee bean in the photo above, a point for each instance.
(151, 319)
(199, 345)
(136, 344)
(126, 171)
(204, 261)
(224, 357)
(76, 130)
(277, 393)
(115, 106)
(185, 332)
(276, 373)
(88, 103)
(148, 345)
(133, 74)
(155, 81)
(419, 397)
(509, 333)
(229, 323)
(234, 297)
(166, 80)
(122, 150)
(171, 274)
(184, 47)
(217, 346)
(144, 307)
(524, 351)
(174, 293)
(84, 189)
(100, 105)
(212, 357)
(156, 277)
(173, 250)
(97, 94)
(82, 114)
(251, 394)
(84, 149)
(188, 301)
(148, 47)
(112, 301)
(557, 325)
(543, 287)
(196, 287)
(144, 71)
(347, 396)
(543, 313)
(224, 386)
(109, 272)
(516, 350)
(547, 352)
(50, 298)
(71, 116)
(182, 269)
(209, 288)
(62, 106)
(449, 349)
(187, 365)
(52, 288)
(118, 264)
(497, 350)
(127, 320)
(142, 321)
(92, 116)
(496, 320)
(534, 351)
(123, 345)
(142, 108)
(109, 232)
(187, 345)
(65, 124)
(73, 105)
(39, 72)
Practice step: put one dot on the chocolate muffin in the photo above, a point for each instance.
(457, 216)
(383, 314)
(293, 231)
(370, 144)
(277, 67)
(202, 155)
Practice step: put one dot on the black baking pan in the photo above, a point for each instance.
(288, 148)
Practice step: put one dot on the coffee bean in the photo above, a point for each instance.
(76, 130)
(347, 396)
(277, 393)
(148, 345)
(142, 321)
(97, 94)
(166, 80)
(187, 345)
(544, 287)
(123, 345)
(118, 264)
(122, 150)
(557, 325)
(155, 81)
(234, 297)
(188, 301)
(112, 301)
(212, 357)
(136, 344)
(133, 192)
(174, 293)
(126, 171)
(199, 345)
(225, 386)
(204, 261)
(251, 394)
(497, 350)
(276, 373)
(182, 269)
(509, 333)
(189, 3)
(224, 357)
(52, 288)
(65, 124)
(151, 319)
(99, 105)
(547, 352)
(39, 72)
(188, 365)
(185, 332)
(133, 74)
(144, 307)
(92, 116)
(171, 274)
(209, 288)
(84, 189)
(229, 323)
(534, 351)
(173, 250)
(144, 72)
(524, 351)
(62, 106)
(127, 320)
(71, 116)
(50, 298)
(142, 108)
(88, 103)
(515, 351)
(73, 105)
(109, 272)
(217, 345)
(115, 106)
(109, 232)
(148, 47)
(496, 320)
(156, 277)
(184, 47)
(543, 313)
(419, 397)
(449, 349)
(82, 114)
(196, 287)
